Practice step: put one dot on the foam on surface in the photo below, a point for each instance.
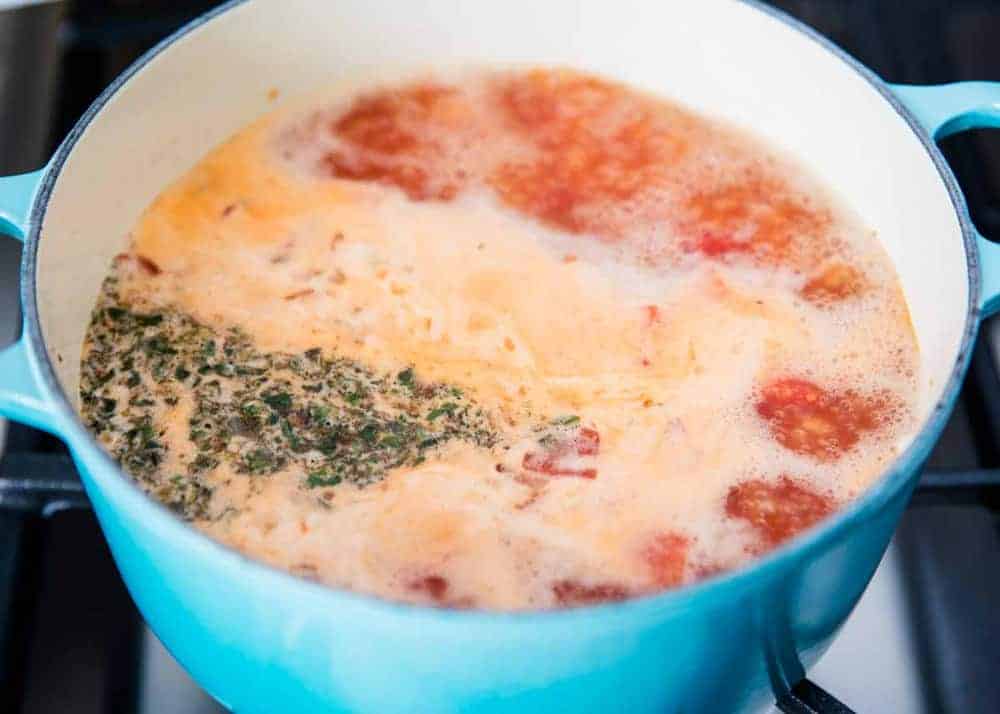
(452, 248)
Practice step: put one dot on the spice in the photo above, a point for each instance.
(257, 412)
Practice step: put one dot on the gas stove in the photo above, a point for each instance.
(921, 639)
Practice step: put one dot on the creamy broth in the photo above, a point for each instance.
(504, 340)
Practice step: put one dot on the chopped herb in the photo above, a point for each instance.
(203, 462)
(158, 345)
(391, 442)
(406, 377)
(369, 433)
(294, 442)
(280, 402)
(328, 443)
(447, 408)
(260, 461)
(148, 320)
(244, 371)
(322, 478)
(250, 410)
(255, 412)
(354, 397)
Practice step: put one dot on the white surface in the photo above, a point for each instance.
(165, 688)
(872, 665)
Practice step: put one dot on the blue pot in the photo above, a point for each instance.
(261, 640)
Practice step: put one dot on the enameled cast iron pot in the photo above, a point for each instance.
(263, 641)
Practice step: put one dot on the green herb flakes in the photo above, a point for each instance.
(257, 413)
(322, 478)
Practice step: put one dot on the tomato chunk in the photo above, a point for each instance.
(558, 449)
(596, 145)
(809, 420)
(399, 137)
(437, 589)
(434, 586)
(838, 281)
(715, 245)
(758, 216)
(666, 556)
(572, 592)
(587, 442)
(778, 510)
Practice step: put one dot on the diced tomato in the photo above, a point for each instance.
(572, 592)
(715, 245)
(396, 137)
(778, 510)
(597, 145)
(651, 313)
(549, 465)
(434, 586)
(667, 555)
(543, 100)
(587, 442)
(551, 461)
(758, 216)
(587, 157)
(809, 420)
(838, 281)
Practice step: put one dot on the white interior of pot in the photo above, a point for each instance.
(719, 57)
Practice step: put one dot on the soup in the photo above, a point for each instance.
(500, 339)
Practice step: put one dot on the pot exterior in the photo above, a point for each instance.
(259, 646)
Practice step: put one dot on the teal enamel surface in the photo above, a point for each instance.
(20, 396)
(989, 262)
(16, 196)
(948, 109)
(263, 641)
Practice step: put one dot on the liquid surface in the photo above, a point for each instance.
(505, 340)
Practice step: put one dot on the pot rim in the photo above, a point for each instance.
(727, 585)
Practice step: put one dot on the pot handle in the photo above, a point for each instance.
(947, 109)
(21, 396)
